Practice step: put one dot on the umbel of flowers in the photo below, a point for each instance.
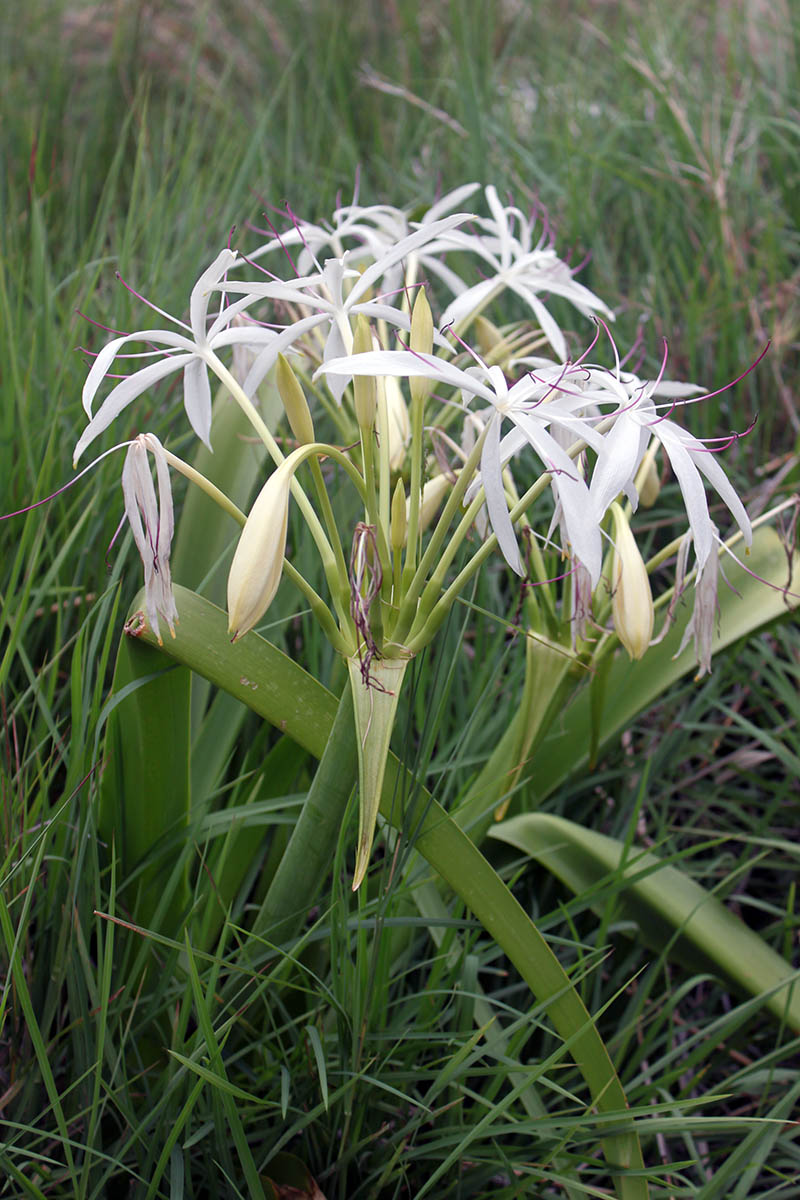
(462, 436)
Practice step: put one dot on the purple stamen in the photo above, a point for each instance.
(150, 304)
(105, 328)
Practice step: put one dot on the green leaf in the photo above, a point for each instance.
(286, 695)
(633, 686)
(144, 790)
(674, 914)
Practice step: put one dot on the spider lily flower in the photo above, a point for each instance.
(511, 260)
(636, 422)
(632, 601)
(152, 526)
(189, 352)
(367, 232)
(522, 403)
(332, 304)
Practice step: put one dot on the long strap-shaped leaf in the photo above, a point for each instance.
(276, 688)
(664, 902)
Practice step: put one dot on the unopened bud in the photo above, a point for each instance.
(648, 484)
(421, 342)
(398, 433)
(632, 602)
(364, 386)
(398, 528)
(294, 401)
(258, 561)
(433, 493)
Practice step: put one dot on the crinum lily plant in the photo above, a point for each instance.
(418, 452)
(462, 440)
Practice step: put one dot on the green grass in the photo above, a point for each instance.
(664, 141)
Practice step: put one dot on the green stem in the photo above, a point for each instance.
(417, 405)
(206, 485)
(408, 609)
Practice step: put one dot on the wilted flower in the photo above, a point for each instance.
(704, 615)
(152, 525)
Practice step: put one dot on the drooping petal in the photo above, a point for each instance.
(123, 394)
(197, 398)
(106, 356)
(152, 526)
(618, 462)
(493, 490)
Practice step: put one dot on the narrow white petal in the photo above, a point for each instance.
(403, 363)
(203, 289)
(402, 249)
(100, 366)
(450, 201)
(197, 398)
(692, 490)
(492, 480)
(617, 462)
(124, 393)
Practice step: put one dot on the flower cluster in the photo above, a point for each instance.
(342, 310)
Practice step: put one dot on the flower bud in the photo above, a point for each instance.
(399, 425)
(632, 603)
(398, 526)
(648, 484)
(258, 561)
(433, 494)
(364, 386)
(294, 401)
(421, 342)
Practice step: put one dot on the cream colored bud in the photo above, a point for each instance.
(399, 425)
(421, 339)
(294, 401)
(488, 335)
(632, 601)
(364, 386)
(648, 484)
(398, 528)
(433, 494)
(258, 561)
(421, 342)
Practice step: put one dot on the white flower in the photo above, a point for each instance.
(152, 525)
(189, 352)
(524, 404)
(331, 304)
(636, 422)
(510, 259)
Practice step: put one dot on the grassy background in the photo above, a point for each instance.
(134, 137)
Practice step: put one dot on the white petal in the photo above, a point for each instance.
(101, 364)
(124, 393)
(197, 398)
(492, 480)
(618, 461)
(403, 248)
(203, 289)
